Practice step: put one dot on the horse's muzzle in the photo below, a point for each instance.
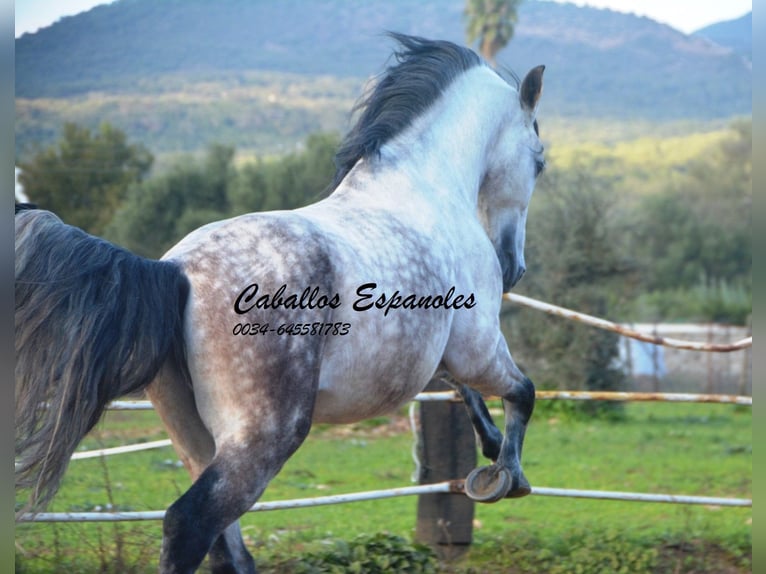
(513, 270)
(514, 275)
(520, 270)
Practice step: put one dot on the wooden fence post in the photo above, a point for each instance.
(447, 451)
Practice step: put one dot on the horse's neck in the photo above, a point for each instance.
(445, 151)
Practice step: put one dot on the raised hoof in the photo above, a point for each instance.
(488, 483)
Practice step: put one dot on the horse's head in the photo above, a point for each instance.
(515, 160)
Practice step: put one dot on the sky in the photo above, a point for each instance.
(684, 15)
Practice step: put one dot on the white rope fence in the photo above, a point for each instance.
(446, 487)
(626, 331)
(539, 395)
(121, 449)
(456, 486)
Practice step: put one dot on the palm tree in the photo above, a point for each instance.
(492, 23)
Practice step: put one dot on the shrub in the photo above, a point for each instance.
(380, 553)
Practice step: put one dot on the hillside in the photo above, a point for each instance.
(178, 74)
(736, 34)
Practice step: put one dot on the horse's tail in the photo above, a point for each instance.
(93, 322)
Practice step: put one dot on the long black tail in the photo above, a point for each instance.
(93, 322)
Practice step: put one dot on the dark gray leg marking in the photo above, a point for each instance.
(505, 478)
(192, 523)
(518, 406)
(204, 518)
(489, 435)
(229, 554)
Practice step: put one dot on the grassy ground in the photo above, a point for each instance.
(668, 448)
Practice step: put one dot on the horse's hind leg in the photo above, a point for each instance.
(229, 486)
(174, 401)
(258, 413)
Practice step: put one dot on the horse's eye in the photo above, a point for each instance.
(539, 166)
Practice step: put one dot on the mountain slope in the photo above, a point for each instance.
(736, 34)
(603, 63)
(166, 71)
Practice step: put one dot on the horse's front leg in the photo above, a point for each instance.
(505, 477)
(490, 437)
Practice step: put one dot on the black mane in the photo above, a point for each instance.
(423, 70)
(23, 206)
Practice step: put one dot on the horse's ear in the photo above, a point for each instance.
(532, 88)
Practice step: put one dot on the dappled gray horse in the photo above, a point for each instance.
(251, 329)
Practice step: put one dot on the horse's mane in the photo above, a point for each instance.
(423, 70)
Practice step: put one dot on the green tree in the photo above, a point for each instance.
(159, 212)
(698, 231)
(491, 23)
(290, 182)
(85, 177)
(694, 238)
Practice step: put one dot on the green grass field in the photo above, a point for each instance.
(666, 448)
